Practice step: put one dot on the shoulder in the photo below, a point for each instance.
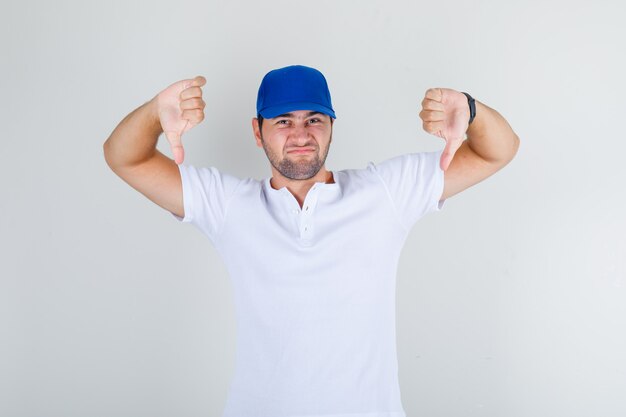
(394, 166)
(210, 177)
(428, 159)
(398, 168)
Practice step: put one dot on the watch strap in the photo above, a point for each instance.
(472, 106)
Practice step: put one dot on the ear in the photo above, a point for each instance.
(257, 132)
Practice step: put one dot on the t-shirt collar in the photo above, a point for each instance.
(318, 185)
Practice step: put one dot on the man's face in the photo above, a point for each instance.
(296, 143)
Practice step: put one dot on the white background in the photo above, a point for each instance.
(511, 301)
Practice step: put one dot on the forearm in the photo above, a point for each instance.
(491, 137)
(135, 138)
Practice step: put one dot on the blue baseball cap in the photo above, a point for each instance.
(293, 88)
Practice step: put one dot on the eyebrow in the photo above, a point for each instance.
(291, 116)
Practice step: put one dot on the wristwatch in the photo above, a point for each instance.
(472, 106)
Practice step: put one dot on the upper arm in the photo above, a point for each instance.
(465, 170)
(413, 182)
(158, 178)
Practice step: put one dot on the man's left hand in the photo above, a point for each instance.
(445, 113)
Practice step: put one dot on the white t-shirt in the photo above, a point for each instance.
(314, 288)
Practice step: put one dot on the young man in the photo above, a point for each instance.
(312, 253)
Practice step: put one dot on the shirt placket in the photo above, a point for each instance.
(304, 216)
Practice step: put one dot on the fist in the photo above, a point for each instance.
(445, 113)
(180, 107)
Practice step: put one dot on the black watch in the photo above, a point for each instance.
(472, 106)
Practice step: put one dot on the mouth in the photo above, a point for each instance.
(299, 151)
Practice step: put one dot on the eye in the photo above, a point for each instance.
(311, 121)
(282, 122)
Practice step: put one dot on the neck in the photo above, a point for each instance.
(300, 188)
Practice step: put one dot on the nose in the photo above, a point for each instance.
(300, 135)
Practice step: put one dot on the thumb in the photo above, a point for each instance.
(452, 145)
(176, 145)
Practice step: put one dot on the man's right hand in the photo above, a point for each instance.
(180, 107)
(130, 151)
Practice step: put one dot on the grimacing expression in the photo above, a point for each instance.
(297, 143)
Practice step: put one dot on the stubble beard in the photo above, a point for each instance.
(300, 169)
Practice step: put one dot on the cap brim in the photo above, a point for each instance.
(271, 112)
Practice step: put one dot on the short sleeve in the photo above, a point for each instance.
(206, 194)
(414, 183)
